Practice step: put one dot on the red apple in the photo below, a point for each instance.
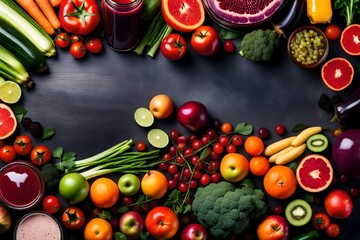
(193, 115)
(194, 231)
(131, 224)
(273, 227)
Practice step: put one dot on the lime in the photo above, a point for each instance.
(158, 138)
(144, 117)
(10, 92)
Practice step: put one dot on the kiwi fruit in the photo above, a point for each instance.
(298, 212)
(317, 142)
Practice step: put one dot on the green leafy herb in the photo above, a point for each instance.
(228, 34)
(19, 111)
(350, 9)
(177, 202)
(48, 133)
(244, 128)
(299, 127)
(66, 160)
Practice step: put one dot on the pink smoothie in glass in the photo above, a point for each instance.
(121, 21)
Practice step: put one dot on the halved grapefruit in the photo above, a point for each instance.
(183, 15)
(8, 121)
(350, 39)
(314, 173)
(337, 73)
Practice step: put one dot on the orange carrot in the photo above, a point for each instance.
(55, 3)
(49, 13)
(34, 11)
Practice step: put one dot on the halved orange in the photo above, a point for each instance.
(183, 15)
(8, 121)
(337, 73)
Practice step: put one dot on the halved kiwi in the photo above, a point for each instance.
(317, 142)
(298, 212)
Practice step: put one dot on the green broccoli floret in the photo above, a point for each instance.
(259, 45)
(51, 176)
(224, 208)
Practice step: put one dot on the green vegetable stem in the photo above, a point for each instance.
(350, 9)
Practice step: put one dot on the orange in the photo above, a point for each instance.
(226, 127)
(154, 184)
(104, 192)
(98, 229)
(280, 182)
(259, 165)
(234, 167)
(254, 145)
(161, 106)
(8, 121)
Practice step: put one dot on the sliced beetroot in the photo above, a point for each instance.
(350, 39)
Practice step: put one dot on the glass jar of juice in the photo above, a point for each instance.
(121, 20)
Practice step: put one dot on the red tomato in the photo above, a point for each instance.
(23, 145)
(205, 40)
(76, 38)
(62, 40)
(333, 230)
(229, 46)
(7, 153)
(333, 32)
(320, 221)
(173, 47)
(162, 223)
(51, 204)
(78, 50)
(40, 155)
(94, 45)
(73, 218)
(338, 204)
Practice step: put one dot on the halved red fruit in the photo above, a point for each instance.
(337, 73)
(8, 121)
(183, 15)
(350, 39)
(314, 173)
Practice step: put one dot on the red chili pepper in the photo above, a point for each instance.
(79, 16)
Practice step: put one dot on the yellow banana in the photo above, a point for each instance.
(273, 157)
(278, 146)
(305, 134)
(290, 156)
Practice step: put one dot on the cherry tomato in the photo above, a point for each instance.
(333, 32)
(62, 40)
(333, 230)
(76, 38)
(162, 223)
(173, 47)
(7, 153)
(320, 221)
(51, 204)
(40, 155)
(73, 218)
(338, 204)
(78, 50)
(23, 145)
(229, 46)
(140, 146)
(94, 45)
(205, 40)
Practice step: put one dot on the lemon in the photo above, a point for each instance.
(10, 92)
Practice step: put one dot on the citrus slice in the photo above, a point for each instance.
(183, 15)
(158, 138)
(337, 73)
(314, 173)
(8, 121)
(350, 39)
(10, 92)
(144, 117)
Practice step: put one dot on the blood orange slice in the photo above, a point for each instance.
(8, 121)
(337, 73)
(314, 173)
(183, 15)
(350, 39)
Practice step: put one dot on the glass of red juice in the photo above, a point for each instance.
(121, 20)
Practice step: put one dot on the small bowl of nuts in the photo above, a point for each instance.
(308, 47)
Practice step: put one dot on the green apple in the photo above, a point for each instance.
(129, 184)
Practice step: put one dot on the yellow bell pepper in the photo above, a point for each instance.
(319, 11)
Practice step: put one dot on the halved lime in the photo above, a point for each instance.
(158, 138)
(144, 117)
(10, 92)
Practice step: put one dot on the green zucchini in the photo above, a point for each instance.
(12, 69)
(21, 48)
(15, 16)
(310, 235)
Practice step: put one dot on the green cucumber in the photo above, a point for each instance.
(21, 48)
(310, 235)
(15, 16)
